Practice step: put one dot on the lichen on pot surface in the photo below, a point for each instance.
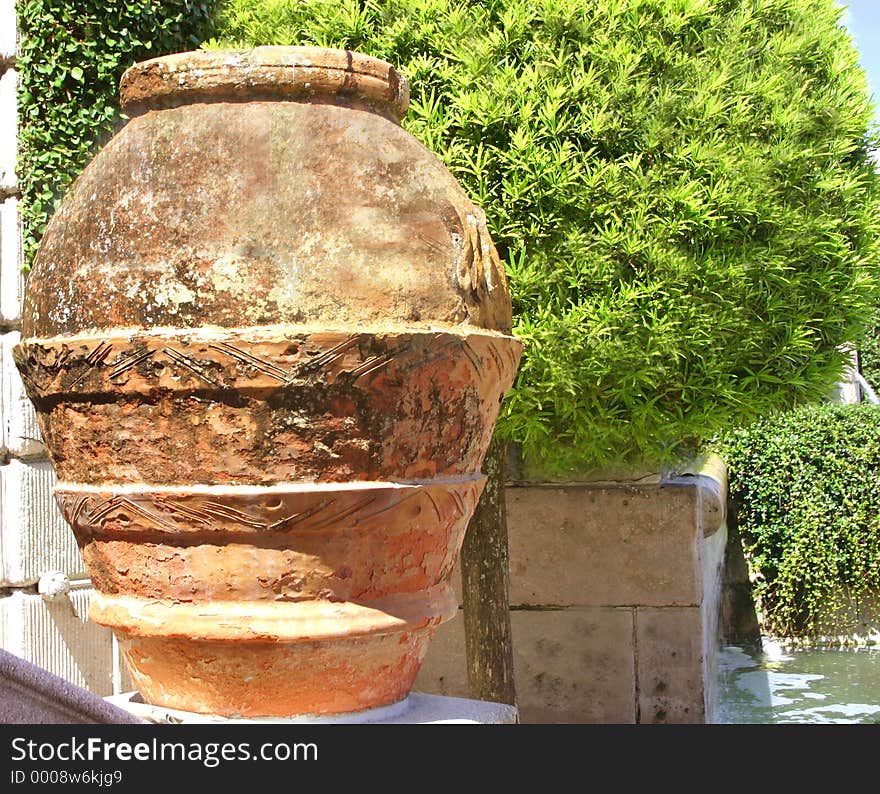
(267, 336)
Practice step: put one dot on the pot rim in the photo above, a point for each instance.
(268, 73)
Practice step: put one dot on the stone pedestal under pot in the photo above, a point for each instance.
(267, 336)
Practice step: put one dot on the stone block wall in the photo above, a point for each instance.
(615, 598)
(44, 591)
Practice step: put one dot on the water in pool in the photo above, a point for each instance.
(777, 684)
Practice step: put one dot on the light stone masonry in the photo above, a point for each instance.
(34, 537)
(574, 665)
(21, 432)
(8, 133)
(601, 535)
(11, 277)
(57, 636)
(671, 660)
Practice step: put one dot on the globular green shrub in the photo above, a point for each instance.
(680, 189)
(806, 487)
(72, 54)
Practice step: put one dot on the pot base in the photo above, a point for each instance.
(416, 709)
(274, 659)
(280, 680)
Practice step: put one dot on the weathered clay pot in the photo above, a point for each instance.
(267, 337)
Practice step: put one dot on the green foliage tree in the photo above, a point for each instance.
(680, 189)
(71, 57)
(806, 485)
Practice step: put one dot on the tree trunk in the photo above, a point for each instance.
(485, 580)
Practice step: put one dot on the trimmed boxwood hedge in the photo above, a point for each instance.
(806, 490)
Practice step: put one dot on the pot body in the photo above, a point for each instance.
(267, 336)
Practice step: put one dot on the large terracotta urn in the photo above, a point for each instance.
(267, 336)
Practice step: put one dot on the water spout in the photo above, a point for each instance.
(868, 393)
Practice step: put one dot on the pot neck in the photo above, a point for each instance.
(304, 74)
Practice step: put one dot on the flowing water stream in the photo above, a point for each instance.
(777, 684)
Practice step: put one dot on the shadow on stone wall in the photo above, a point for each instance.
(739, 615)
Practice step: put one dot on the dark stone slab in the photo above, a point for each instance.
(30, 695)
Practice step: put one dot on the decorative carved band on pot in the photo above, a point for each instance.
(267, 336)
